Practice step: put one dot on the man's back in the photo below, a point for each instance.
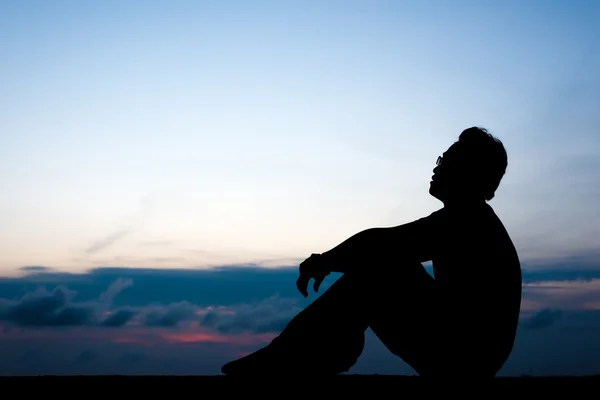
(478, 268)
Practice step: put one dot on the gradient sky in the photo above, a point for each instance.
(195, 134)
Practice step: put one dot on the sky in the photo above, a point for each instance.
(167, 164)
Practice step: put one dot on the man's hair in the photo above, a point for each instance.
(486, 155)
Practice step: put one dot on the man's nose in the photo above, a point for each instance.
(436, 169)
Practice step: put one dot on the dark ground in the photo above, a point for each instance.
(380, 386)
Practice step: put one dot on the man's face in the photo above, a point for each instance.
(444, 172)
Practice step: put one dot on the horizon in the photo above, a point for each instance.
(210, 142)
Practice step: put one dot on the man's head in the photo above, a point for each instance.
(471, 169)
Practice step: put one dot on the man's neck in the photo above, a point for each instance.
(464, 202)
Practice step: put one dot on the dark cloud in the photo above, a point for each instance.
(568, 344)
(560, 275)
(34, 268)
(269, 315)
(119, 318)
(227, 299)
(44, 308)
(57, 308)
(86, 357)
(170, 315)
(225, 285)
(30, 355)
(77, 357)
(133, 357)
(210, 319)
(239, 301)
(581, 320)
(566, 320)
(262, 312)
(542, 319)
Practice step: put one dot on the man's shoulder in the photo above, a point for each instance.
(479, 216)
(458, 216)
(436, 217)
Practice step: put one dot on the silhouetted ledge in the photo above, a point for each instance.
(339, 384)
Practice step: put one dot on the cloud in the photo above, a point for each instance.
(557, 342)
(119, 318)
(564, 274)
(186, 321)
(57, 308)
(145, 208)
(225, 299)
(44, 308)
(62, 306)
(108, 240)
(543, 319)
(169, 316)
(115, 288)
(133, 357)
(86, 357)
(269, 315)
(568, 295)
(34, 268)
(225, 285)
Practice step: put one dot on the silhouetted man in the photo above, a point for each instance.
(460, 323)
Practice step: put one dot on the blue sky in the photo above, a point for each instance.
(183, 134)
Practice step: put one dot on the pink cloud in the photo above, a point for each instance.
(204, 337)
(135, 335)
(572, 295)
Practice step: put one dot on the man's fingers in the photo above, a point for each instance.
(317, 283)
(302, 285)
(308, 269)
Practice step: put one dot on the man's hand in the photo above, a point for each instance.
(311, 268)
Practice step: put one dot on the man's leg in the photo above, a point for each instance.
(328, 336)
(411, 324)
(325, 338)
(433, 333)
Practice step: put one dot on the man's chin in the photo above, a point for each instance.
(433, 190)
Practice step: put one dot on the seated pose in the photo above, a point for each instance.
(460, 323)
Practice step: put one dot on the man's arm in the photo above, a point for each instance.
(384, 247)
(370, 243)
